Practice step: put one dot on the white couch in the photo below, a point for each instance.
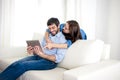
(84, 60)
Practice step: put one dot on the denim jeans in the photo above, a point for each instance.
(17, 68)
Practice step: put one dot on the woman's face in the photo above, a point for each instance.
(66, 28)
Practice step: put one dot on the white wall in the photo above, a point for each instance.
(114, 28)
(88, 17)
(108, 24)
(102, 11)
(0, 18)
(0, 13)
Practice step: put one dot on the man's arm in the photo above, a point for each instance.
(55, 57)
(43, 55)
(48, 57)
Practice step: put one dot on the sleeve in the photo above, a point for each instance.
(60, 52)
(60, 55)
(47, 30)
(61, 27)
(69, 43)
(43, 42)
(84, 36)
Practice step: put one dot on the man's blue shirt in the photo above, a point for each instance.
(59, 53)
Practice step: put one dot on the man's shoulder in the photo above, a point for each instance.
(61, 37)
(60, 34)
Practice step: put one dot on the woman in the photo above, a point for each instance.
(71, 31)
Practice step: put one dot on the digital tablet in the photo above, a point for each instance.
(34, 43)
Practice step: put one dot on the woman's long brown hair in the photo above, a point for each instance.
(74, 31)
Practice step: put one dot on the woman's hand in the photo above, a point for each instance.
(30, 50)
(48, 41)
(49, 46)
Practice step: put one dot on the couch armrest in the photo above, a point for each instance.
(105, 70)
(106, 52)
(12, 52)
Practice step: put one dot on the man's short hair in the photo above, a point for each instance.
(53, 21)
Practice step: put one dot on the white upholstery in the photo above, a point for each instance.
(54, 74)
(106, 52)
(82, 52)
(84, 60)
(7, 61)
(104, 70)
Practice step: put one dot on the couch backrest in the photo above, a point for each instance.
(37, 36)
(83, 52)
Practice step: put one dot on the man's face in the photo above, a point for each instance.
(66, 28)
(53, 29)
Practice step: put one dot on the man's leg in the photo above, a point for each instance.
(22, 60)
(8, 70)
(17, 70)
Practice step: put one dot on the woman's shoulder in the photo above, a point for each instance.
(61, 26)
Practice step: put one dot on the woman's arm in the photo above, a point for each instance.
(47, 37)
(60, 45)
(53, 45)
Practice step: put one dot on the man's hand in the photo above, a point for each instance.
(30, 50)
(43, 55)
(38, 51)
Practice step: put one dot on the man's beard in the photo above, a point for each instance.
(67, 36)
(55, 33)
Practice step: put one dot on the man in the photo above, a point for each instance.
(48, 59)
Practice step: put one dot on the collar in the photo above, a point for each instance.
(57, 35)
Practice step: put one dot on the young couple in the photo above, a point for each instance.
(55, 43)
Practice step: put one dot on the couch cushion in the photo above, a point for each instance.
(54, 74)
(82, 52)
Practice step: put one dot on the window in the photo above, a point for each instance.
(31, 16)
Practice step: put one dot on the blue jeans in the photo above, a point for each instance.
(17, 68)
